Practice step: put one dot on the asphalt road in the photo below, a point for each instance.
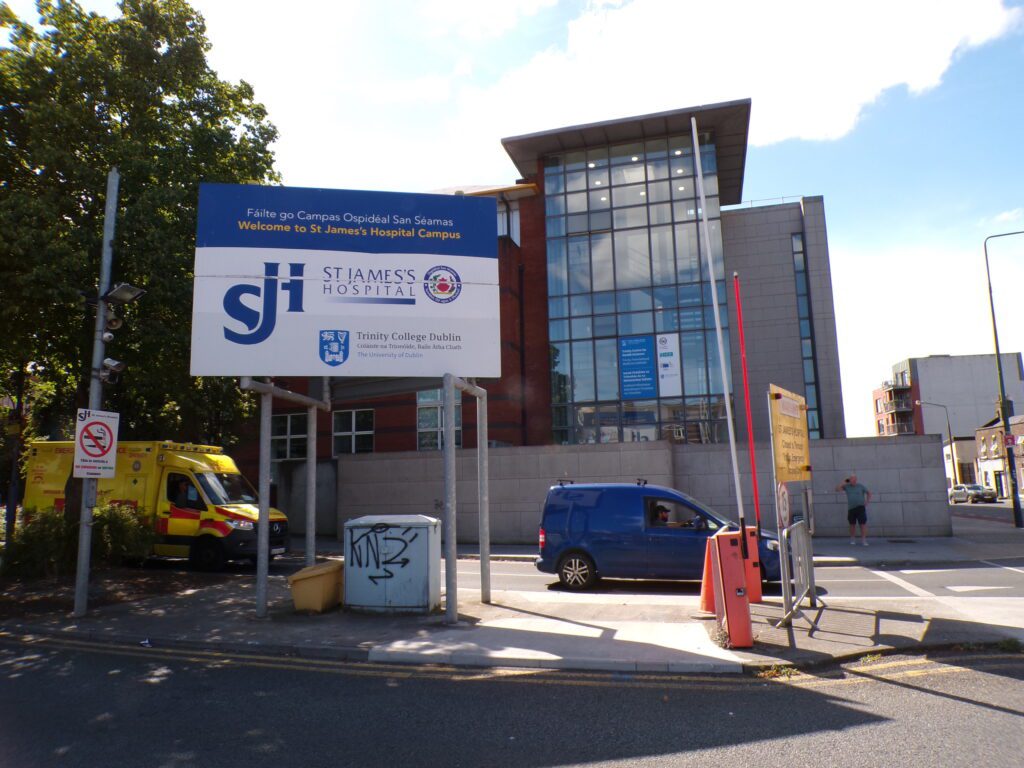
(68, 704)
(1002, 578)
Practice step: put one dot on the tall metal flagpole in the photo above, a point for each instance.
(723, 362)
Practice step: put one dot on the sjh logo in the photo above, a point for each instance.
(259, 327)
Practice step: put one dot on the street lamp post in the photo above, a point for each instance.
(1018, 519)
(949, 431)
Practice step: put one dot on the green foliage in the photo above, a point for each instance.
(46, 544)
(120, 535)
(78, 96)
(1010, 645)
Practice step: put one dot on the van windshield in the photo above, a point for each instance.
(226, 488)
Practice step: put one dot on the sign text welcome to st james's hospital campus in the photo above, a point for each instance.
(319, 282)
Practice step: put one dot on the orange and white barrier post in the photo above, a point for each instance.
(732, 609)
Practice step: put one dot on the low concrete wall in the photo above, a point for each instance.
(412, 482)
(905, 477)
(904, 474)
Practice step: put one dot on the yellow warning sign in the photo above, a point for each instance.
(790, 443)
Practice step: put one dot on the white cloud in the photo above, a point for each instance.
(1008, 217)
(350, 82)
(474, 19)
(915, 300)
(811, 68)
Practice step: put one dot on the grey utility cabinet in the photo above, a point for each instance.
(393, 564)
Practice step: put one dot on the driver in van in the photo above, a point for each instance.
(660, 516)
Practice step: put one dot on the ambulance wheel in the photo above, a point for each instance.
(576, 571)
(206, 554)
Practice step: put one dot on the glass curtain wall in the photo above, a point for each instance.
(631, 320)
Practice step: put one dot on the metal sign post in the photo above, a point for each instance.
(267, 394)
(95, 394)
(451, 583)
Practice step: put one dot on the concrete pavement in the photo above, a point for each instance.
(642, 631)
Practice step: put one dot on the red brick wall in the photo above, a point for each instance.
(535, 316)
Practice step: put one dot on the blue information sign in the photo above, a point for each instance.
(638, 376)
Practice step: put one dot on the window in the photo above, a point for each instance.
(353, 432)
(803, 303)
(430, 420)
(623, 258)
(288, 436)
(182, 492)
(668, 513)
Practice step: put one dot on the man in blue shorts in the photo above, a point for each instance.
(857, 498)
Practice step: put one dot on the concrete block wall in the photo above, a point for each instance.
(291, 495)
(413, 483)
(758, 245)
(905, 476)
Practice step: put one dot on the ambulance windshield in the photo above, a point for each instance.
(226, 488)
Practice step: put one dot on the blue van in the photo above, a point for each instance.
(618, 530)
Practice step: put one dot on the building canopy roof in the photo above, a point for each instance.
(727, 122)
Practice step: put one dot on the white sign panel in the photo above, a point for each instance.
(670, 370)
(316, 282)
(95, 443)
(782, 500)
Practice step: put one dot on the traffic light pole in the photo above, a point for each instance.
(1011, 466)
(95, 394)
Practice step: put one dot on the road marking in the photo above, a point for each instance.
(425, 671)
(914, 590)
(972, 589)
(864, 673)
(1004, 567)
(928, 570)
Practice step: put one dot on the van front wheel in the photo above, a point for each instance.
(206, 554)
(576, 571)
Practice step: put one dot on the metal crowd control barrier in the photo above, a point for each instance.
(795, 543)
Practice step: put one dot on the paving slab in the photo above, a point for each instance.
(624, 632)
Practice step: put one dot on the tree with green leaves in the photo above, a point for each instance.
(79, 94)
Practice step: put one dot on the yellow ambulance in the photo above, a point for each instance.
(197, 502)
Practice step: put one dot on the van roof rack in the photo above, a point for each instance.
(641, 481)
(562, 482)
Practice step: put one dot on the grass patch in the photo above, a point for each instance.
(870, 657)
(776, 671)
(1010, 645)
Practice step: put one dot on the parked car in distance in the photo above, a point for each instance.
(972, 493)
(618, 530)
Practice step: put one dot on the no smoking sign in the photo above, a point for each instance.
(95, 443)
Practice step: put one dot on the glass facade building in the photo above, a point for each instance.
(631, 326)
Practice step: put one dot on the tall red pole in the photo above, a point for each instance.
(746, 398)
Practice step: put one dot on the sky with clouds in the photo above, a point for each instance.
(906, 115)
